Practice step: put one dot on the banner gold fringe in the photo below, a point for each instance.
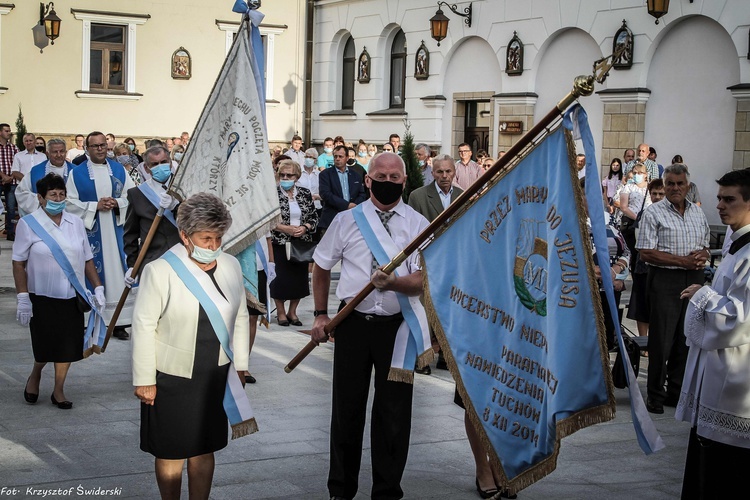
(564, 428)
(426, 358)
(244, 428)
(593, 284)
(401, 375)
(249, 239)
(252, 301)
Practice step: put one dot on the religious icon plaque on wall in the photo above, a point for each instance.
(623, 41)
(182, 64)
(514, 56)
(363, 67)
(422, 63)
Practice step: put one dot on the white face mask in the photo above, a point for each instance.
(204, 255)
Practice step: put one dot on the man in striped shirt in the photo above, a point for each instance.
(673, 240)
(7, 151)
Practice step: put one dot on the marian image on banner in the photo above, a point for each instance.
(511, 293)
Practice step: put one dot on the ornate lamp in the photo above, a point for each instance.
(48, 18)
(657, 8)
(439, 22)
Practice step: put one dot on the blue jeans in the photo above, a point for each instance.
(9, 190)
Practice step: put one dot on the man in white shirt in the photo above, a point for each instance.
(366, 338)
(715, 395)
(25, 160)
(77, 151)
(425, 162)
(310, 177)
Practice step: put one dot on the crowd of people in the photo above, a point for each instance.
(86, 211)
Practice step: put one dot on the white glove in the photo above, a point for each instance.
(271, 271)
(101, 301)
(167, 202)
(23, 309)
(129, 280)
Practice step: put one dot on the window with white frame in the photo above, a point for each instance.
(348, 65)
(398, 70)
(109, 54)
(268, 37)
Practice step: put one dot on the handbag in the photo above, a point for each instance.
(82, 304)
(619, 379)
(298, 250)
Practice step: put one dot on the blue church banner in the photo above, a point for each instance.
(512, 295)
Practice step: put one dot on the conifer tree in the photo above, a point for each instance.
(414, 177)
(20, 130)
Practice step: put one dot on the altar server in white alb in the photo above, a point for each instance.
(715, 395)
(97, 192)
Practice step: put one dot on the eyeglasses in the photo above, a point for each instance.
(286, 176)
(98, 146)
(462, 151)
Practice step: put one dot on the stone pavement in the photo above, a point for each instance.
(95, 445)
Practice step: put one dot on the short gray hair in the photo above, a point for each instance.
(153, 150)
(424, 146)
(203, 212)
(384, 155)
(56, 140)
(676, 169)
(442, 159)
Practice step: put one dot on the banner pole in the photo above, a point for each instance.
(582, 86)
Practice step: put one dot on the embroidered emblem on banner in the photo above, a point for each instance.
(530, 270)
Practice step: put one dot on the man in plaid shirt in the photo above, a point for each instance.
(7, 151)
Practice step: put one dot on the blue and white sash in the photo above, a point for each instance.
(221, 316)
(96, 329)
(413, 343)
(86, 187)
(151, 196)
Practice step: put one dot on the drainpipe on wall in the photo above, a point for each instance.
(307, 126)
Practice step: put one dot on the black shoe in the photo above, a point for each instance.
(294, 321)
(120, 333)
(282, 323)
(249, 379)
(423, 371)
(29, 397)
(486, 493)
(63, 405)
(654, 406)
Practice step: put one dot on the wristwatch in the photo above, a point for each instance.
(320, 312)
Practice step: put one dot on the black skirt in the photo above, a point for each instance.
(57, 330)
(291, 277)
(638, 308)
(188, 417)
(262, 295)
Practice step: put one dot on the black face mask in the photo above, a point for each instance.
(386, 192)
(40, 149)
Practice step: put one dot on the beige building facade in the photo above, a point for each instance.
(685, 90)
(141, 69)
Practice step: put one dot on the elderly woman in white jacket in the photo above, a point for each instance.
(190, 350)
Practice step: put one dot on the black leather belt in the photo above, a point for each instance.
(374, 318)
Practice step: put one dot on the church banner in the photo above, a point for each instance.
(511, 294)
(228, 153)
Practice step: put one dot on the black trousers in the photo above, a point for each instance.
(714, 470)
(667, 351)
(360, 346)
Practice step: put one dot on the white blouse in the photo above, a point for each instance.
(44, 274)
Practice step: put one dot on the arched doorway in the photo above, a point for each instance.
(690, 111)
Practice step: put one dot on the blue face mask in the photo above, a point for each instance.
(132, 147)
(638, 178)
(309, 162)
(286, 185)
(421, 163)
(362, 154)
(204, 255)
(328, 150)
(54, 207)
(161, 172)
